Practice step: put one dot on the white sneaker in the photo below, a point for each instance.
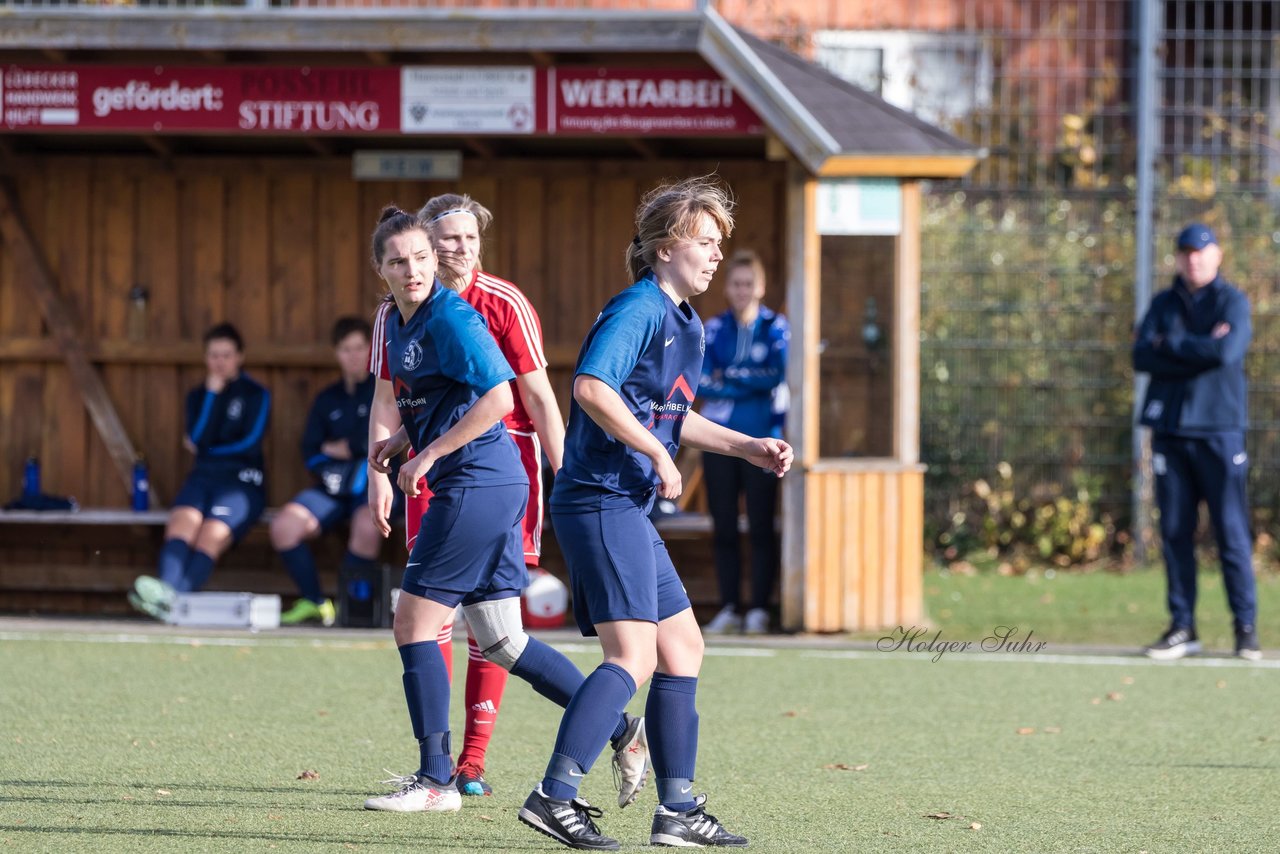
(417, 794)
(631, 761)
(724, 623)
(756, 622)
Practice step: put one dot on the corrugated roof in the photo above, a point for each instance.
(831, 126)
(857, 120)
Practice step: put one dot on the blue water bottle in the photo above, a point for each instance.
(31, 477)
(141, 486)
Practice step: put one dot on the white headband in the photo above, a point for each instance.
(444, 214)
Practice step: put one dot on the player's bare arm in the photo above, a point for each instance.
(772, 455)
(384, 420)
(540, 402)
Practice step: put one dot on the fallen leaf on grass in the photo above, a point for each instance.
(1097, 701)
(163, 792)
(977, 825)
(271, 817)
(324, 713)
(941, 816)
(842, 766)
(126, 797)
(309, 775)
(486, 818)
(1053, 730)
(1222, 683)
(1026, 730)
(1128, 680)
(790, 714)
(1115, 696)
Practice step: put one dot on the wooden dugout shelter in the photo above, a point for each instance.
(147, 207)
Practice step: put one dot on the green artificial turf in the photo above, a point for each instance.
(177, 746)
(1087, 608)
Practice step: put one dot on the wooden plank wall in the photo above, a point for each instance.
(865, 551)
(280, 248)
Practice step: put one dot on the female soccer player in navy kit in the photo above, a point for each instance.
(452, 388)
(633, 392)
(456, 224)
(224, 494)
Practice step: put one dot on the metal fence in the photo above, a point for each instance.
(1028, 266)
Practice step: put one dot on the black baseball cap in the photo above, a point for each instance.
(1195, 236)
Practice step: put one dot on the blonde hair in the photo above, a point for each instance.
(670, 213)
(448, 204)
(746, 258)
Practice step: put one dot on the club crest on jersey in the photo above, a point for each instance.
(412, 356)
(235, 408)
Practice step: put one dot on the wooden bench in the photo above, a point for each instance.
(84, 561)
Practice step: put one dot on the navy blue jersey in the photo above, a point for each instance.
(648, 350)
(227, 428)
(442, 361)
(338, 414)
(743, 373)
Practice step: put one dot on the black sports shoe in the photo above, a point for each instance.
(1247, 643)
(692, 828)
(567, 822)
(1176, 643)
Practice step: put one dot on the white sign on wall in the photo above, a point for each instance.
(859, 206)
(467, 99)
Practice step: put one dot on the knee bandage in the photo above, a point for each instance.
(497, 630)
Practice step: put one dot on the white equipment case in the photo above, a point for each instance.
(226, 611)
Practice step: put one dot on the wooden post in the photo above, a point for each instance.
(803, 260)
(906, 331)
(62, 322)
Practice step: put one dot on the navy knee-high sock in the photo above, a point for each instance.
(426, 690)
(555, 677)
(172, 565)
(671, 720)
(548, 672)
(199, 568)
(302, 569)
(588, 720)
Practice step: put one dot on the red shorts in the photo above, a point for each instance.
(531, 457)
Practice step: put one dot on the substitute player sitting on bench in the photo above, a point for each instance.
(224, 495)
(334, 447)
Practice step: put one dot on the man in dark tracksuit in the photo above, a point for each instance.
(1192, 342)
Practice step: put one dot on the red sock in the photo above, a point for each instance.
(485, 683)
(445, 639)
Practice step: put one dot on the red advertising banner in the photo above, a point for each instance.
(645, 102)
(179, 99)
(410, 100)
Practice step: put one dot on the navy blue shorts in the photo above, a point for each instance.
(618, 567)
(225, 498)
(470, 546)
(330, 510)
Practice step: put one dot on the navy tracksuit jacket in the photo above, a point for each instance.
(1196, 406)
